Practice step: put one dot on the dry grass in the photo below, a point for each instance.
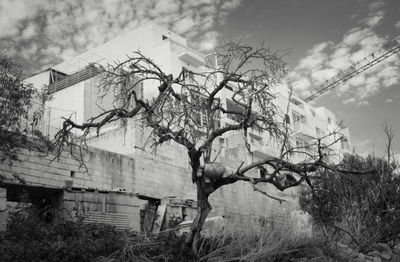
(278, 240)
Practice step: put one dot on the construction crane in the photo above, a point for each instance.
(387, 51)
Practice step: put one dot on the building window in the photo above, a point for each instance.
(201, 116)
(164, 37)
(287, 119)
(187, 73)
(303, 146)
(298, 119)
(256, 140)
(234, 107)
(329, 120)
(312, 112)
(300, 143)
(344, 143)
(56, 76)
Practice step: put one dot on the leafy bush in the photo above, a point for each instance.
(21, 108)
(29, 238)
(358, 209)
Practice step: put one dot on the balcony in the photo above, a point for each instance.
(259, 147)
(191, 58)
(70, 80)
(304, 130)
(263, 151)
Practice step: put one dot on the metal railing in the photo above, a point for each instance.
(70, 80)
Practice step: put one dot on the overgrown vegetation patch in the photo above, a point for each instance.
(29, 238)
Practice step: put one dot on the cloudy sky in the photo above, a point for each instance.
(323, 37)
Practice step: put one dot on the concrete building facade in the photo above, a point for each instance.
(150, 176)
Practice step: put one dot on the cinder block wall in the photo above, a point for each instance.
(166, 174)
(105, 170)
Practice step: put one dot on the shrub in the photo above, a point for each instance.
(358, 209)
(29, 237)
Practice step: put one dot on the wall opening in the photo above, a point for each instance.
(46, 201)
(149, 214)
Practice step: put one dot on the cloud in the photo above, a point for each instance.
(11, 12)
(316, 56)
(303, 84)
(61, 29)
(376, 5)
(321, 75)
(328, 59)
(29, 31)
(354, 102)
(374, 19)
(363, 103)
(350, 100)
(184, 25)
(388, 100)
(397, 25)
(209, 41)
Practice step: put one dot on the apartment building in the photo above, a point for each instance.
(166, 173)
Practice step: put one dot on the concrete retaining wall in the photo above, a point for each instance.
(148, 175)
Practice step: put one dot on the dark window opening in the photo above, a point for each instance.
(187, 73)
(149, 214)
(234, 107)
(56, 76)
(164, 37)
(287, 119)
(344, 143)
(45, 201)
(256, 140)
(229, 87)
(298, 118)
(202, 116)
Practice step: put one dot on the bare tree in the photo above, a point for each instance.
(388, 131)
(187, 109)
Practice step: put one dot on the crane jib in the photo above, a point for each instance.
(387, 51)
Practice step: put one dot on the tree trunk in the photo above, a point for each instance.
(203, 209)
(203, 206)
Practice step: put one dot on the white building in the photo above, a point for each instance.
(75, 95)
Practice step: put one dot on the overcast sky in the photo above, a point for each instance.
(322, 36)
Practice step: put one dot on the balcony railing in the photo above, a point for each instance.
(70, 80)
(303, 129)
